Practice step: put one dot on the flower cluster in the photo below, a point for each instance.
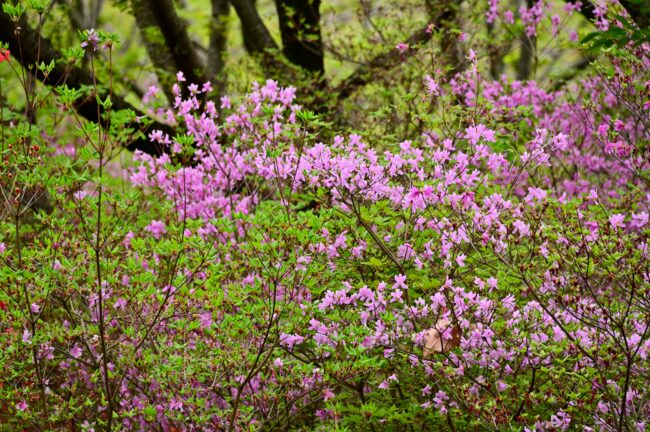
(476, 277)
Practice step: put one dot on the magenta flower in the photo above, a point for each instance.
(522, 228)
(76, 351)
(156, 228)
(91, 40)
(616, 221)
(402, 47)
(290, 340)
(639, 220)
(400, 282)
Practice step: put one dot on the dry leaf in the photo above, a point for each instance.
(433, 342)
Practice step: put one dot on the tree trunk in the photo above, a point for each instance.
(300, 29)
(168, 43)
(527, 52)
(154, 43)
(218, 39)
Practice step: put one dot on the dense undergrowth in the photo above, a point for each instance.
(269, 272)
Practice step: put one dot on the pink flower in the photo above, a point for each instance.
(561, 421)
(405, 252)
(206, 320)
(152, 93)
(432, 86)
(75, 351)
(127, 239)
(521, 227)
(475, 133)
(91, 40)
(328, 394)
(35, 308)
(289, 341)
(3, 248)
(21, 406)
(439, 401)
(639, 220)
(400, 282)
(402, 47)
(616, 220)
(176, 404)
(156, 228)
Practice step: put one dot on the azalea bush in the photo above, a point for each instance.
(271, 270)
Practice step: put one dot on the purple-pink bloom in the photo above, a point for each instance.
(616, 220)
(76, 351)
(91, 40)
(156, 228)
(402, 47)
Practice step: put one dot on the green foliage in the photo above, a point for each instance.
(619, 37)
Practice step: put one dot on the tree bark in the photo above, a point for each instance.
(158, 51)
(444, 15)
(178, 41)
(218, 39)
(364, 74)
(300, 29)
(168, 43)
(495, 55)
(260, 42)
(255, 32)
(440, 15)
(528, 47)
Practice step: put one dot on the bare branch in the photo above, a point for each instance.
(364, 74)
